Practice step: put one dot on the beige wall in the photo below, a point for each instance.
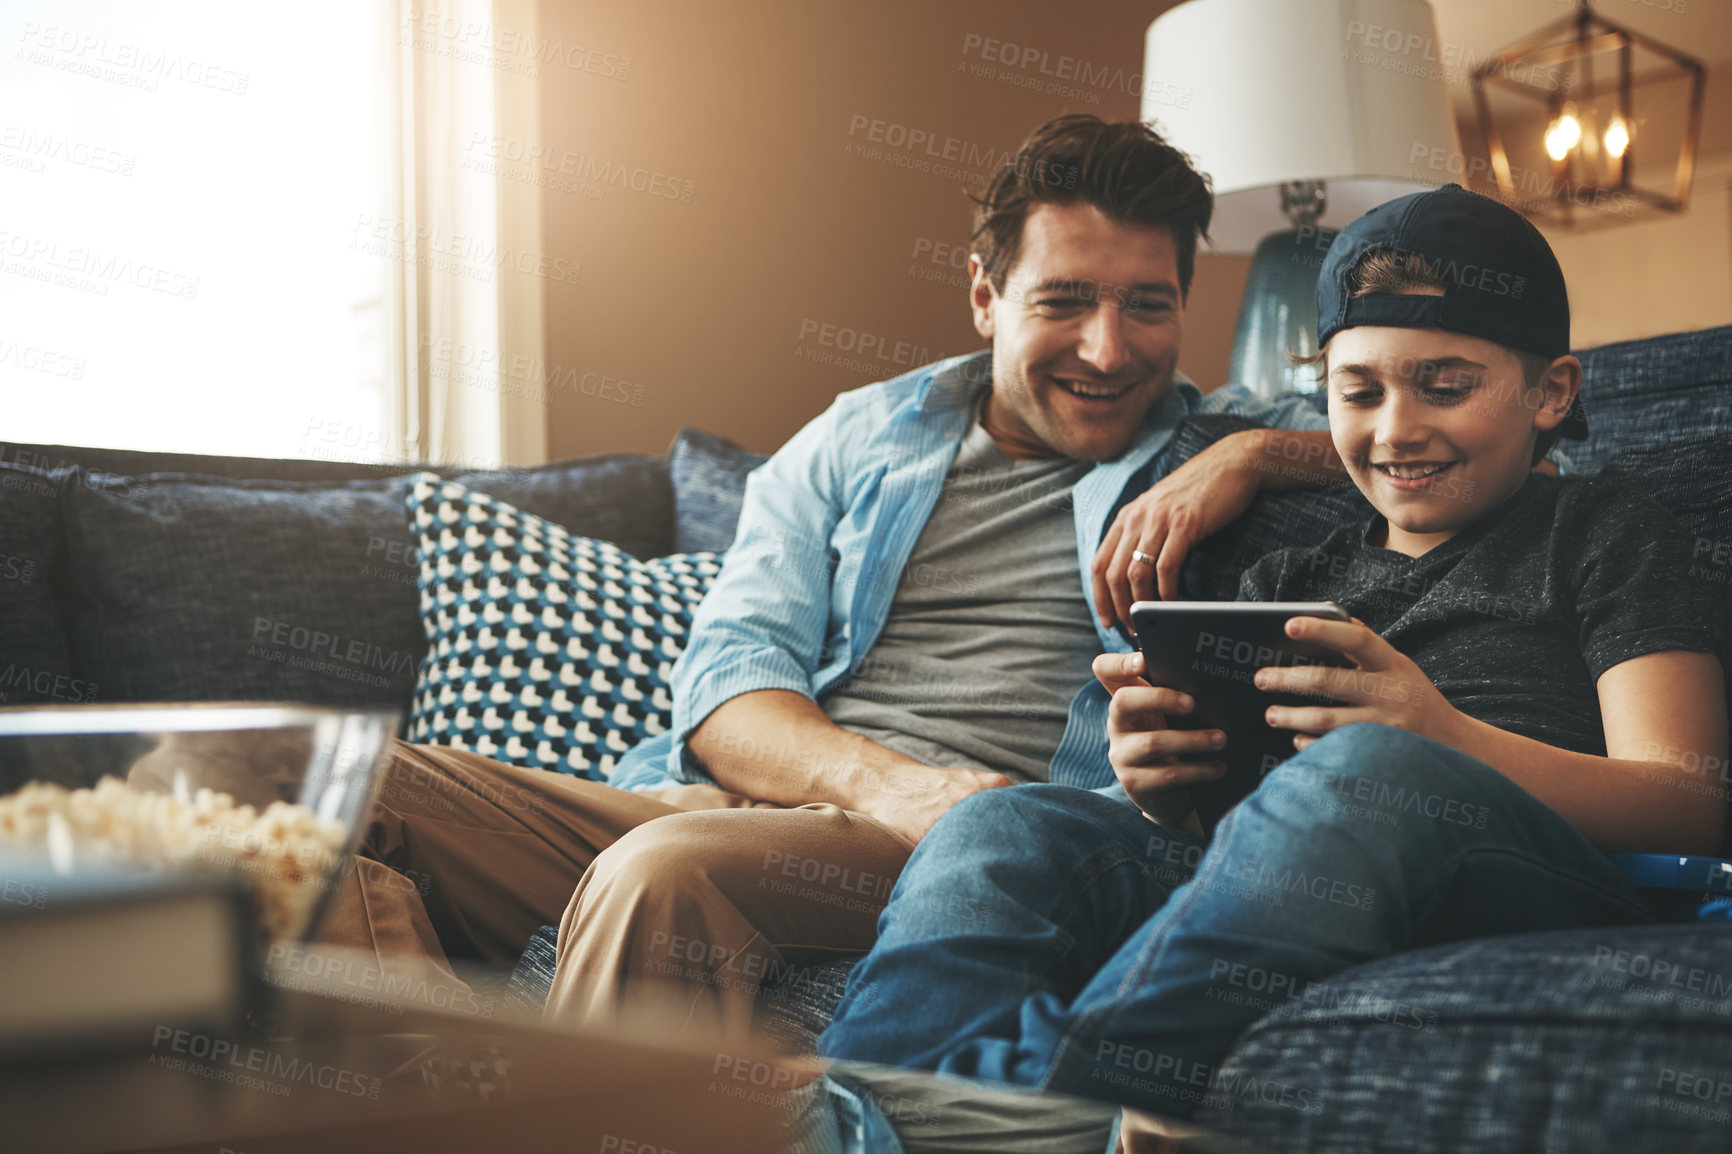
(1660, 275)
(713, 313)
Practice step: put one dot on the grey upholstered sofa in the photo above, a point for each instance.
(129, 576)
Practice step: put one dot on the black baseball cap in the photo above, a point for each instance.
(1505, 285)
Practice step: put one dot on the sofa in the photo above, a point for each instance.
(130, 576)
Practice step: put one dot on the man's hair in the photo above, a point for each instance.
(1388, 271)
(1123, 169)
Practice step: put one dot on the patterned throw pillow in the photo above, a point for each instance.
(547, 650)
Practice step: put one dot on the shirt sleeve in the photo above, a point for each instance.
(1630, 570)
(764, 621)
(1286, 411)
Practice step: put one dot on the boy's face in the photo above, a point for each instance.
(1434, 427)
(1085, 335)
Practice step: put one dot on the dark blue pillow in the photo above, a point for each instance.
(36, 663)
(188, 588)
(1653, 392)
(625, 499)
(709, 481)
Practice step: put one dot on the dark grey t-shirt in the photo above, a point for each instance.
(1515, 618)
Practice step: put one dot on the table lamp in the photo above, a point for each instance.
(1304, 113)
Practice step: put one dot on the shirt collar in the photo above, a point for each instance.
(954, 383)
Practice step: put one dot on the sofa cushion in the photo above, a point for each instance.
(1598, 1039)
(548, 650)
(1653, 391)
(183, 587)
(625, 498)
(186, 588)
(36, 665)
(709, 480)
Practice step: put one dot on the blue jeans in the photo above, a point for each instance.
(1047, 936)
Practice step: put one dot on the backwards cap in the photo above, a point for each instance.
(1503, 283)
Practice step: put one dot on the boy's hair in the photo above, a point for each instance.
(1124, 169)
(1388, 271)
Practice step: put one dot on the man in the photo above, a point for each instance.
(902, 622)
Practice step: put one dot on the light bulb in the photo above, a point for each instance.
(1617, 138)
(1564, 134)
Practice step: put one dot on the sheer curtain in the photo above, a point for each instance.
(457, 311)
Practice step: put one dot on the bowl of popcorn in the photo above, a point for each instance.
(276, 795)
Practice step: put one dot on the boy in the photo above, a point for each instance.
(1528, 652)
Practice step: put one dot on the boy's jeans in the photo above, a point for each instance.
(1048, 936)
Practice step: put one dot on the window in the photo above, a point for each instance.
(185, 190)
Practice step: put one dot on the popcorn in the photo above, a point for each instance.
(286, 854)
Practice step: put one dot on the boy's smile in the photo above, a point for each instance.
(1435, 428)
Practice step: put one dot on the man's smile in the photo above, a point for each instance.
(1093, 390)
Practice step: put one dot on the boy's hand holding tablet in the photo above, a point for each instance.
(1157, 764)
(1386, 686)
(1224, 691)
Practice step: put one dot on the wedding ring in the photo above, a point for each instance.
(1139, 555)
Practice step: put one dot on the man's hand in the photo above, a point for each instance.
(776, 745)
(912, 798)
(1387, 686)
(1143, 751)
(1199, 498)
(1182, 509)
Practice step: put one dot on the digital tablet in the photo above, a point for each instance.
(1211, 650)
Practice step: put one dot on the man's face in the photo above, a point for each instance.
(1084, 336)
(1435, 428)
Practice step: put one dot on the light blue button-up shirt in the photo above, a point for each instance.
(827, 528)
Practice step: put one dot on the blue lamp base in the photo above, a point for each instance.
(1278, 313)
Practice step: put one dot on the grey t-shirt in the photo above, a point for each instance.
(1515, 617)
(989, 636)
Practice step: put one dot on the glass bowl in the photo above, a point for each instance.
(274, 794)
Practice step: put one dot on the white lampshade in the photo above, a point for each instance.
(1260, 92)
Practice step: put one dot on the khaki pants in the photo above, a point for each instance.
(685, 900)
